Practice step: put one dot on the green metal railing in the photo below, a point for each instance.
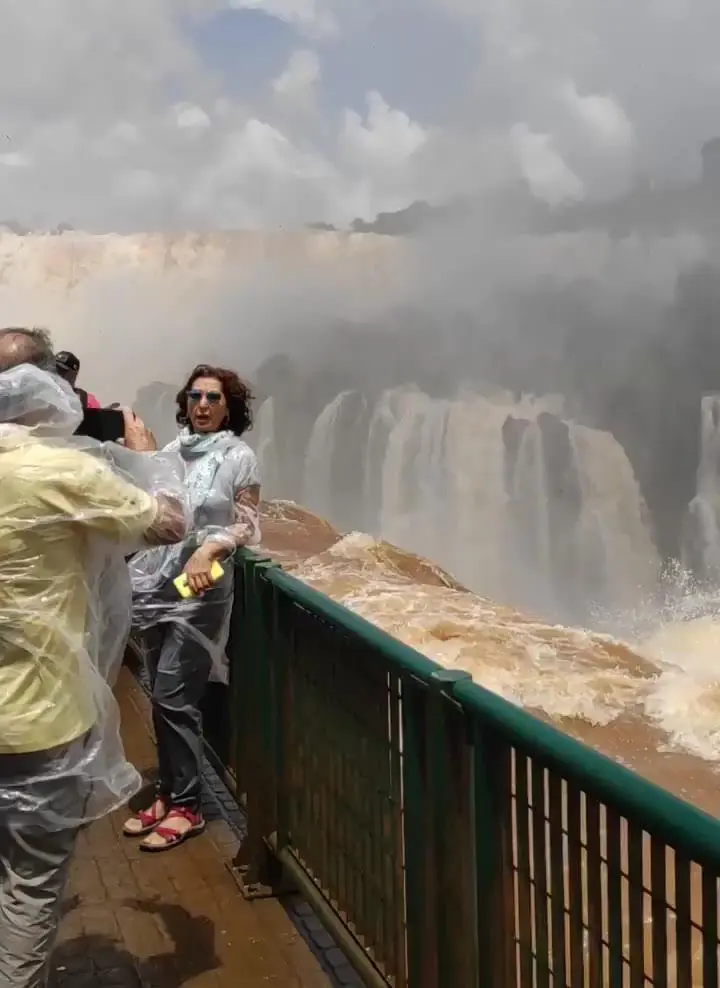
(447, 838)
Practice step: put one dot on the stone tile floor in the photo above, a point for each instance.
(177, 920)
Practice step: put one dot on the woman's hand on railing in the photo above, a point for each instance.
(198, 568)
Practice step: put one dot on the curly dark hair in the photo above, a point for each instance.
(237, 395)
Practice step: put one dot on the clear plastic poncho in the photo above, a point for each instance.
(71, 510)
(220, 471)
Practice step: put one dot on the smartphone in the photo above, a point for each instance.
(106, 425)
(181, 582)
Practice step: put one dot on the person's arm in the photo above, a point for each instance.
(245, 527)
(89, 493)
(137, 435)
(244, 530)
(169, 525)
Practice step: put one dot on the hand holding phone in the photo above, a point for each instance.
(106, 425)
(181, 582)
(137, 435)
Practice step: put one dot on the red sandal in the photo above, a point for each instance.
(144, 821)
(169, 836)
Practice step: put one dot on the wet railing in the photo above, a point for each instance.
(445, 837)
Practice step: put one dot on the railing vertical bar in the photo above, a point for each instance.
(308, 797)
(683, 928)
(540, 865)
(636, 906)
(238, 658)
(322, 772)
(594, 893)
(284, 721)
(397, 874)
(355, 844)
(557, 879)
(418, 826)
(614, 898)
(375, 774)
(524, 877)
(494, 856)
(710, 929)
(575, 885)
(344, 878)
(368, 906)
(456, 908)
(659, 911)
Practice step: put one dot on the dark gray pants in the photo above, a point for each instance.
(34, 866)
(35, 854)
(178, 664)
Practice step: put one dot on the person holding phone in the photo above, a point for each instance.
(66, 521)
(183, 638)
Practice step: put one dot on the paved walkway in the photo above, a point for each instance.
(175, 920)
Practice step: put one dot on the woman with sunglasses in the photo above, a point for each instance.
(183, 639)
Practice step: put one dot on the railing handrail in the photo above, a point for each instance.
(391, 648)
(658, 811)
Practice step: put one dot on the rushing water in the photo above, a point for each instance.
(532, 515)
(515, 502)
(652, 703)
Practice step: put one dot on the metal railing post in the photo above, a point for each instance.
(494, 859)
(456, 887)
(419, 837)
(255, 865)
(439, 836)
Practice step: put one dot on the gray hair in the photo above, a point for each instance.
(19, 345)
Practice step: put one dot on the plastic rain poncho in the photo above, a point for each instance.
(71, 510)
(220, 468)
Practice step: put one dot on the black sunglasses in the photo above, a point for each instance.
(213, 397)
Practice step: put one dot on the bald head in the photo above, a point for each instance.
(26, 346)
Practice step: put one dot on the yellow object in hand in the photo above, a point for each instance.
(181, 582)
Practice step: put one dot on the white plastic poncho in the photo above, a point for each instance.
(71, 510)
(219, 468)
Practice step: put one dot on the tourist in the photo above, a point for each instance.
(68, 367)
(183, 641)
(66, 520)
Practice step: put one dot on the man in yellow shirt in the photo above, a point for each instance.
(61, 763)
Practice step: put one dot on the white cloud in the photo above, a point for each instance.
(112, 114)
(388, 138)
(298, 79)
(604, 118)
(113, 120)
(543, 167)
(190, 117)
(655, 60)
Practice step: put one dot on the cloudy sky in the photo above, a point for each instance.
(157, 114)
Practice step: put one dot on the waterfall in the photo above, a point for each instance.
(516, 502)
(382, 422)
(414, 481)
(318, 469)
(617, 560)
(262, 439)
(701, 531)
(528, 524)
(475, 505)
